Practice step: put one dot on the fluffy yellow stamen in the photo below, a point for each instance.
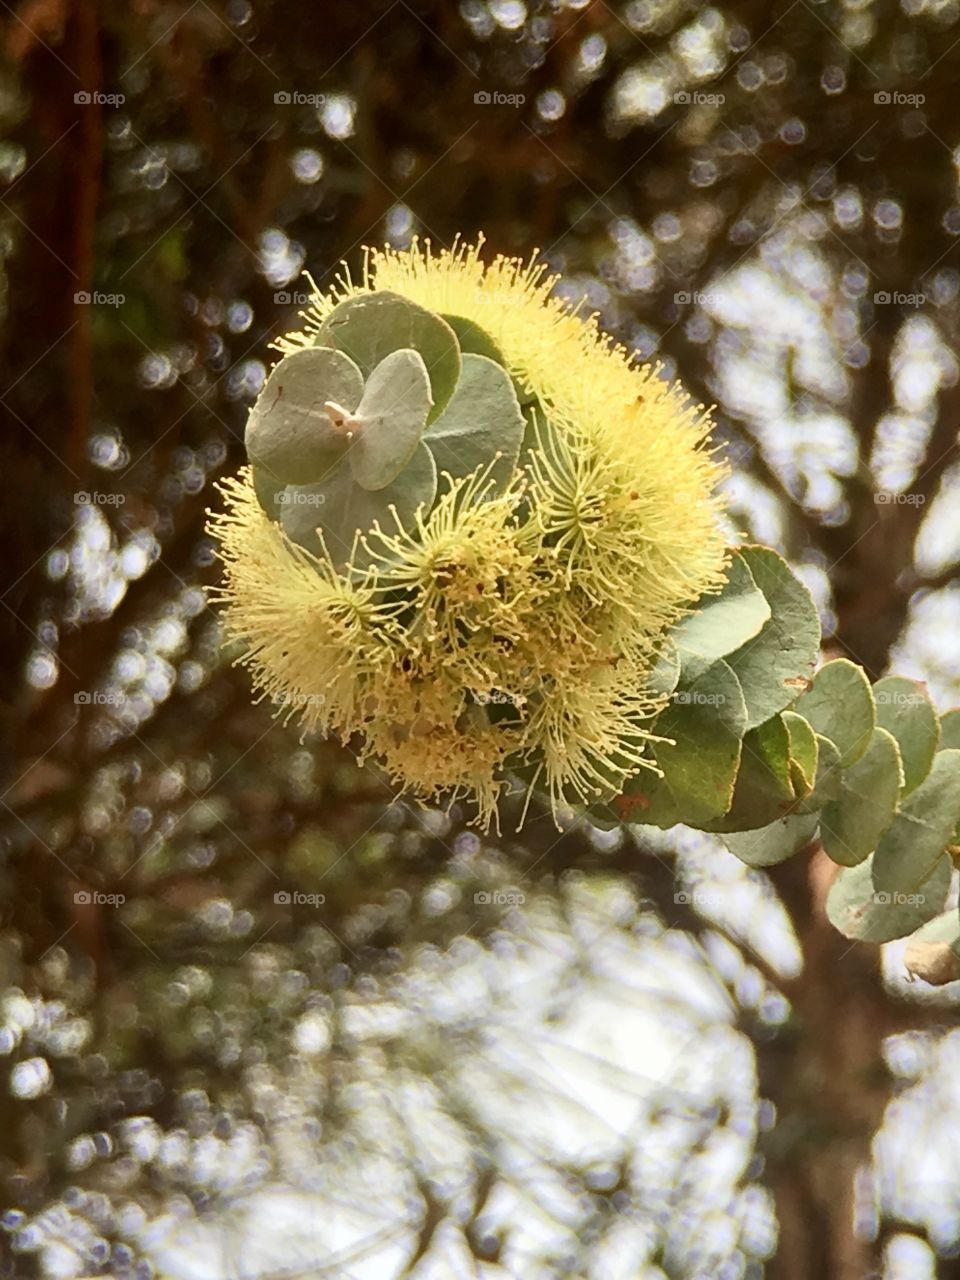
(498, 631)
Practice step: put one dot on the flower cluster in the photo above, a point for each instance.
(508, 629)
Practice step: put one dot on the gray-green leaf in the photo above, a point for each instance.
(904, 708)
(914, 842)
(767, 846)
(851, 826)
(290, 436)
(705, 719)
(773, 665)
(390, 418)
(859, 911)
(839, 705)
(341, 508)
(725, 621)
(369, 326)
(482, 420)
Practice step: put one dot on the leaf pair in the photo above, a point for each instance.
(742, 657)
(315, 410)
(354, 432)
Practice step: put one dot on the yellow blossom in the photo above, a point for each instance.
(496, 630)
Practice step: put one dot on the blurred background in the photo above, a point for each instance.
(258, 1019)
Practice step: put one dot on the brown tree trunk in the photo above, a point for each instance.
(826, 1076)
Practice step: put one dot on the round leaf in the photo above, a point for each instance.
(950, 728)
(767, 846)
(804, 753)
(828, 779)
(481, 421)
(777, 662)
(764, 789)
(341, 508)
(369, 326)
(859, 911)
(705, 720)
(725, 621)
(839, 705)
(914, 842)
(268, 488)
(904, 707)
(290, 436)
(473, 339)
(851, 825)
(390, 419)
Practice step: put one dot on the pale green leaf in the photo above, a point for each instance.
(482, 421)
(290, 436)
(905, 709)
(390, 419)
(851, 825)
(839, 705)
(369, 326)
(776, 664)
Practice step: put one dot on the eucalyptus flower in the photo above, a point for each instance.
(468, 524)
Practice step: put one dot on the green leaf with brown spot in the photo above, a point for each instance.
(839, 705)
(776, 664)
